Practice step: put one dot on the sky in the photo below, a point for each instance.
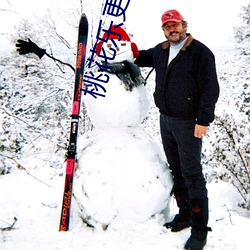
(211, 22)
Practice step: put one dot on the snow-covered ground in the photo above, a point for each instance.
(31, 198)
(37, 208)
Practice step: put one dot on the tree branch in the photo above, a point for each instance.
(57, 60)
(19, 166)
(10, 227)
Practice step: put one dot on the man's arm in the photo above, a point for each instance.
(145, 58)
(208, 87)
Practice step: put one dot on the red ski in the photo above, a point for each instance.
(71, 153)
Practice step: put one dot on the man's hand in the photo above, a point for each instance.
(24, 47)
(200, 131)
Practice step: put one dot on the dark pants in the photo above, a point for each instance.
(183, 152)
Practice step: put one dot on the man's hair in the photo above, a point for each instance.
(184, 23)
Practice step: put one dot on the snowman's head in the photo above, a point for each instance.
(118, 42)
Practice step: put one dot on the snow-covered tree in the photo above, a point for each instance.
(242, 33)
(36, 95)
(230, 154)
(35, 104)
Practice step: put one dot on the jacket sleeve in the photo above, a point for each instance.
(208, 88)
(145, 58)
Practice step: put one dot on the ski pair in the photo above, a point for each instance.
(71, 160)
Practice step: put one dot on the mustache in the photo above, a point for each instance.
(173, 32)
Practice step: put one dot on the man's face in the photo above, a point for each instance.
(174, 32)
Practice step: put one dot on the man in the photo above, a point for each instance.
(186, 93)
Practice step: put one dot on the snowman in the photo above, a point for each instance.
(122, 178)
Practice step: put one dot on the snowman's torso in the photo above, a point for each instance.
(119, 108)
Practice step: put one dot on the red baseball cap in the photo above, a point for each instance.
(171, 16)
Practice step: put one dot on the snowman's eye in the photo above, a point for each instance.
(123, 44)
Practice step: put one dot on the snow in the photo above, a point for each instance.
(122, 177)
(37, 208)
(122, 182)
(118, 108)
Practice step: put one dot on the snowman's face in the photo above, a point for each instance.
(123, 51)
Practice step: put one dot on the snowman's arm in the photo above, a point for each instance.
(25, 47)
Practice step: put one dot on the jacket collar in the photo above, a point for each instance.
(166, 44)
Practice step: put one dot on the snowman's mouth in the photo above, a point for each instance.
(120, 52)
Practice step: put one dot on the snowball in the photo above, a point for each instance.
(122, 177)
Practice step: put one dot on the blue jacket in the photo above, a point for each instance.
(187, 88)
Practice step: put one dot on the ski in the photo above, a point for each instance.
(71, 160)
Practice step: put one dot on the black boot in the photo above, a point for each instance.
(197, 240)
(182, 220)
(199, 215)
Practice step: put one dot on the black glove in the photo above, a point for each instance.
(135, 73)
(128, 72)
(24, 47)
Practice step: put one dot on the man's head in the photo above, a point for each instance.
(174, 26)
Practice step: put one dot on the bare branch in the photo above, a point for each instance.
(19, 166)
(10, 227)
(57, 60)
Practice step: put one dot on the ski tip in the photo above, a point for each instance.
(83, 20)
(84, 16)
(83, 24)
